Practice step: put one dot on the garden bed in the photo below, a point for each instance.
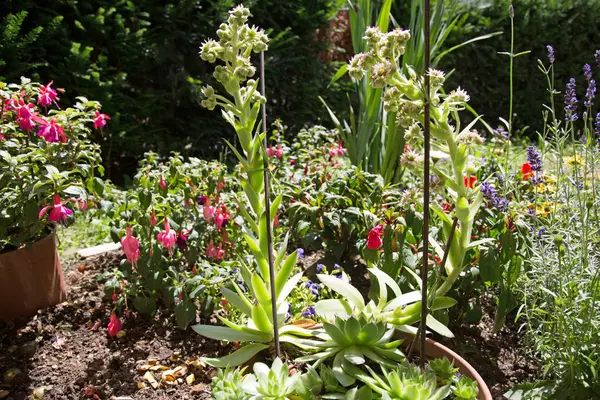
(65, 352)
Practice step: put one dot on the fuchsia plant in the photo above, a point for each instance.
(45, 156)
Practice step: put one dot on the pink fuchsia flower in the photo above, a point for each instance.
(162, 184)
(114, 326)
(213, 252)
(222, 216)
(277, 152)
(167, 238)
(153, 218)
(100, 120)
(25, 114)
(52, 131)
(221, 184)
(337, 151)
(208, 210)
(58, 212)
(130, 246)
(47, 95)
(374, 240)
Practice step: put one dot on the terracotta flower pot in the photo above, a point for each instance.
(434, 349)
(31, 278)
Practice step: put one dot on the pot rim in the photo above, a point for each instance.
(434, 349)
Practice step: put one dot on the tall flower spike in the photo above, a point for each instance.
(571, 101)
(551, 56)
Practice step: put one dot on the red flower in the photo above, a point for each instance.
(100, 120)
(526, 171)
(374, 240)
(114, 326)
(153, 218)
(469, 181)
(162, 184)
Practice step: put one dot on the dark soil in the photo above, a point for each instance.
(64, 352)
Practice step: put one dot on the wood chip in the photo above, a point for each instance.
(141, 385)
(148, 377)
(190, 379)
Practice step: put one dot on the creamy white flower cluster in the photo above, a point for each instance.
(237, 41)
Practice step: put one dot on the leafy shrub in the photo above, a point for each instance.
(140, 59)
(190, 203)
(567, 25)
(47, 161)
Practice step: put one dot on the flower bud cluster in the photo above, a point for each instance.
(236, 43)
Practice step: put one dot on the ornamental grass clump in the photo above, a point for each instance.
(49, 166)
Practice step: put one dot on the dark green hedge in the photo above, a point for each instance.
(140, 60)
(571, 26)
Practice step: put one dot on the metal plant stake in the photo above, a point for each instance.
(268, 210)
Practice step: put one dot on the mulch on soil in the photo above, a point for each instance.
(64, 352)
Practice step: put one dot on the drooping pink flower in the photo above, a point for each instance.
(2, 137)
(213, 252)
(58, 212)
(52, 131)
(47, 95)
(208, 210)
(130, 246)
(277, 152)
(153, 218)
(167, 238)
(221, 184)
(162, 183)
(115, 297)
(100, 120)
(337, 151)
(222, 216)
(25, 114)
(374, 240)
(114, 326)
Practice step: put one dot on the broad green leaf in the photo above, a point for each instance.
(329, 309)
(224, 333)
(261, 319)
(185, 313)
(239, 302)
(438, 327)
(406, 298)
(238, 357)
(283, 275)
(343, 288)
(440, 303)
(289, 286)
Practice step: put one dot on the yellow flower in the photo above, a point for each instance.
(574, 160)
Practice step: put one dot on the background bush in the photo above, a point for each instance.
(140, 59)
(570, 26)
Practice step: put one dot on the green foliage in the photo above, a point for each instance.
(41, 173)
(228, 384)
(187, 275)
(139, 58)
(567, 25)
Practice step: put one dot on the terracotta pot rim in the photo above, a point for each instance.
(435, 349)
(48, 235)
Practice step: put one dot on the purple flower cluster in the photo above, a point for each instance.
(587, 71)
(314, 287)
(597, 124)
(501, 133)
(590, 94)
(320, 268)
(571, 101)
(597, 56)
(492, 197)
(310, 312)
(551, 54)
(534, 158)
(300, 252)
